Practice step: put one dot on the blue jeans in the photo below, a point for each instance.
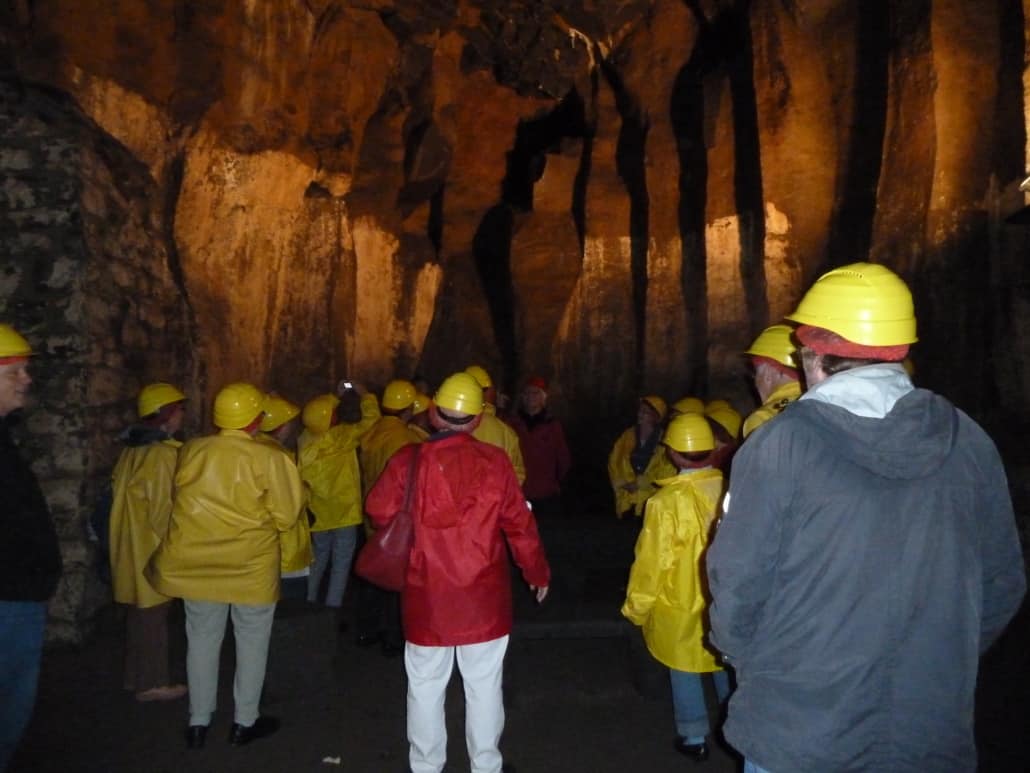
(21, 645)
(337, 546)
(750, 767)
(688, 702)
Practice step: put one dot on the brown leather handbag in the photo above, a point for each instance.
(383, 561)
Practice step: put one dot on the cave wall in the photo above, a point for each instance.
(87, 279)
(617, 195)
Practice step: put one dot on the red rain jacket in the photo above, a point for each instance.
(466, 502)
(545, 453)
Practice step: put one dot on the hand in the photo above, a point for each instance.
(540, 591)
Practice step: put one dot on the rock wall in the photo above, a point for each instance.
(616, 195)
(88, 280)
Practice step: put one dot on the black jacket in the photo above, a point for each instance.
(860, 569)
(30, 560)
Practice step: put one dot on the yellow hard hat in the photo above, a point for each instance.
(776, 343)
(237, 405)
(689, 433)
(12, 344)
(727, 417)
(689, 405)
(864, 303)
(718, 403)
(398, 395)
(480, 375)
(460, 393)
(278, 411)
(420, 403)
(154, 397)
(657, 403)
(318, 413)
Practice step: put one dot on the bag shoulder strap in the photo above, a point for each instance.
(409, 489)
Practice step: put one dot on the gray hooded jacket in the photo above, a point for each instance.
(861, 567)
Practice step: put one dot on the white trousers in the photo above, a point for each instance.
(429, 670)
(205, 629)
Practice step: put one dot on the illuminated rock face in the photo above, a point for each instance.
(617, 195)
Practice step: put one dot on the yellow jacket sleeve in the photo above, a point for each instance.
(294, 543)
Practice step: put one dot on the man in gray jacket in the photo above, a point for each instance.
(866, 557)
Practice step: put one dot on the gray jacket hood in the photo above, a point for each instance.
(910, 442)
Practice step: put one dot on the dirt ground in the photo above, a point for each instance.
(581, 694)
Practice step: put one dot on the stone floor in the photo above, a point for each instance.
(583, 696)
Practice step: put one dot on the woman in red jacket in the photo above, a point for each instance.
(456, 602)
(544, 450)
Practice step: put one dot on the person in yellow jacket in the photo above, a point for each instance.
(666, 595)
(637, 460)
(221, 556)
(334, 427)
(777, 378)
(390, 433)
(493, 430)
(379, 612)
(141, 505)
(279, 431)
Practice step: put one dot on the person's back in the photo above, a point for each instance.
(876, 645)
(386, 437)
(328, 462)
(867, 555)
(665, 594)
(466, 504)
(223, 540)
(233, 497)
(140, 511)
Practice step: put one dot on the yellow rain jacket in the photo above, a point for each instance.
(667, 593)
(329, 465)
(140, 509)
(620, 472)
(232, 498)
(387, 437)
(783, 396)
(294, 544)
(495, 432)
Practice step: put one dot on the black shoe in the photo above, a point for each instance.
(195, 736)
(698, 752)
(366, 639)
(264, 726)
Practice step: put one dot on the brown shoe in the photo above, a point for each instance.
(168, 692)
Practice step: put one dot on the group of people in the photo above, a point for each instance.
(845, 553)
(281, 495)
(862, 557)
